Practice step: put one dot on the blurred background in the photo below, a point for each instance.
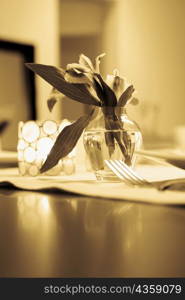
(144, 39)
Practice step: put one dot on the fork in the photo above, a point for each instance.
(124, 172)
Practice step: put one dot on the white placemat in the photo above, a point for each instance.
(85, 184)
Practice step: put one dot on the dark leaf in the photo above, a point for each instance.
(110, 123)
(65, 142)
(113, 126)
(55, 77)
(109, 96)
(109, 139)
(51, 103)
(126, 96)
(93, 148)
(99, 91)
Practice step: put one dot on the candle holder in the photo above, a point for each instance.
(35, 140)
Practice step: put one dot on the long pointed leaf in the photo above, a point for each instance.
(65, 142)
(55, 77)
(110, 98)
(126, 96)
(99, 91)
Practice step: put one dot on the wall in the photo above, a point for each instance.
(80, 30)
(34, 22)
(148, 44)
(110, 42)
(81, 17)
(71, 47)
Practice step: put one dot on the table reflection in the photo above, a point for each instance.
(57, 235)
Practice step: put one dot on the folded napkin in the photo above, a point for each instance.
(85, 184)
(174, 178)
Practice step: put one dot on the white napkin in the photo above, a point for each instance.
(86, 184)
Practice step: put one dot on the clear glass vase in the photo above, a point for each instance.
(111, 134)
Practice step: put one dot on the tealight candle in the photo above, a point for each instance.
(35, 140)
(68, 166)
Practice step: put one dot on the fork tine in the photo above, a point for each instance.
(109, 164)
(118, 171)
(132, 173)
(127, 173)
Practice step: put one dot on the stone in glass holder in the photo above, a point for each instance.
(35, 140)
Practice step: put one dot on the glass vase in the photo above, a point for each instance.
(111, 134)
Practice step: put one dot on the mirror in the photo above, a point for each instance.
(17, 90)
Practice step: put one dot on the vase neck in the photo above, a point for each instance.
(123, 110)
(111, 109)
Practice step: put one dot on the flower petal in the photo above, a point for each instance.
(97, 62)
(76, 73)
(75, 77)
(78, 67)
(116, 83)
(86, 62)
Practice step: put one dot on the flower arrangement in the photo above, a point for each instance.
(83, 82)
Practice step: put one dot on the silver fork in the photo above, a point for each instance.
(127, 174)
(121, 170)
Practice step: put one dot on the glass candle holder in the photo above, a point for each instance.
(35, 140)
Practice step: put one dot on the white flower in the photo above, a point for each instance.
(117, 83)
(83, 71)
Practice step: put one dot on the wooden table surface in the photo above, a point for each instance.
(61, 235)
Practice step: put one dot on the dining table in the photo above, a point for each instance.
(53, 233)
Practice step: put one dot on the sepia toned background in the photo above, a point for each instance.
(144, 39)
